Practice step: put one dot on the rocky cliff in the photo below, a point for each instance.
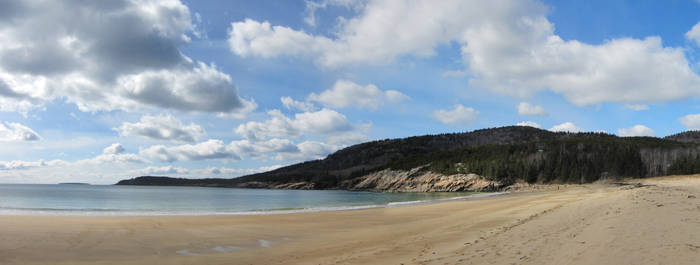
(420, 179)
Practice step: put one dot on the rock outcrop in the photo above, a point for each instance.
(421, 180)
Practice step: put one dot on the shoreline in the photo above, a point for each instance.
(112, 213)
(586, 224)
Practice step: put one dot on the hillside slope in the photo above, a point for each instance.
(499, 156)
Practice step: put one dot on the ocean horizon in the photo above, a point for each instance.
(112, 200)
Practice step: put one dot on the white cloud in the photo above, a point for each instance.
(164, 170)
(22, 165)
(636, 130)
(527, 109)
(210, 149)
(529, 123)
(691, 121)
(261, 149)
(114, 154)
(162, 127)
(231, 172)
(279, 149)
(121, 56)
(283, 149)
(349, 94)
(637, 107)
(694, 34)
(309, 150)
(344, 94)
(113, 162)
(114, 149)
(460, 115)
(292, 104)
(566, 127)
(324, 121)
(15, 132)
(509, 47)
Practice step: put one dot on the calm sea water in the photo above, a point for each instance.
(21, 199)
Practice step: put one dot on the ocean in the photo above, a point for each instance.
(110, 200)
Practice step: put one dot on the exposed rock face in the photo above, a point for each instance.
(279, 186)
(415, 180)
(421, 180)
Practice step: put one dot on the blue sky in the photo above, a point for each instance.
(97, 93)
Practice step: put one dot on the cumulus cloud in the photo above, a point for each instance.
(111, 155)
(15, 132)
(527, 109)
(114, 149)
(509, 47)
(115, 153)
(292, 104)
(309, 150)
(22, 165)
(694, 34)
(691, 121)
(283, 149)
(529, 123)
(119, 56)
(105, 168)
(210, 149)
(349, 94)
(269, 138)
(324, 121)
(213, 171)
(164, 170)
(460, 115)
(280, 149)
(636, 130)
(162, 127)
(262, 148)
(566, 127)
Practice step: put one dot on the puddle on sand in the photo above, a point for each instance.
(186, 252)
(226, 249)
(264, 243)
(261, 243)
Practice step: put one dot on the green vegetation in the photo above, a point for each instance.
(505, 154)
(685, 165)
(578, 159)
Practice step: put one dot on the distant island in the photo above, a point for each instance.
(481, 160)
(73, 183)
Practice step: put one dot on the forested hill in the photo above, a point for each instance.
(504, 154)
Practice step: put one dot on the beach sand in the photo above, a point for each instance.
(578, 224)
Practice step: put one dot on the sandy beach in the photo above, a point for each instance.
(657, 222)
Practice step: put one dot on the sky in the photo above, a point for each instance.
(98, 91)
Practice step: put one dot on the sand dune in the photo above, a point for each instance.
(654, 223)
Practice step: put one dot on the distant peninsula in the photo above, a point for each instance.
(481, 160)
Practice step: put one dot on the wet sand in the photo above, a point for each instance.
(655, 223)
